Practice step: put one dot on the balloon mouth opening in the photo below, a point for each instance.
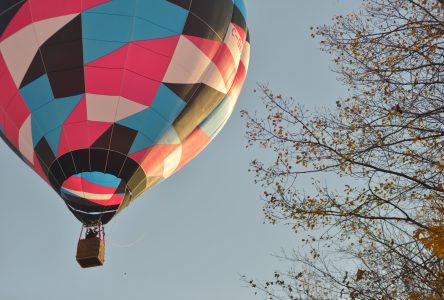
(95, 187)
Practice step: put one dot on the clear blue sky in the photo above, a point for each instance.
(193, 235)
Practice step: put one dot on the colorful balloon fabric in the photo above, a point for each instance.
(104, 99)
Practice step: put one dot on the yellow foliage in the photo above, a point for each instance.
(432, 239)
(415, 297)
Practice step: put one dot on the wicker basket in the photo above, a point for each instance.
(90, 252)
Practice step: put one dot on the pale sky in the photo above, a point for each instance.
(192, 236)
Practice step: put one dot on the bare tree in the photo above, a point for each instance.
(386, 143)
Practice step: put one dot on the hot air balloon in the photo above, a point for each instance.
(104, 99)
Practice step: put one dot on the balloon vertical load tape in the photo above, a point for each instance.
(90, 252)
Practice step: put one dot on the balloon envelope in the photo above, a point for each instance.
(104, 99)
